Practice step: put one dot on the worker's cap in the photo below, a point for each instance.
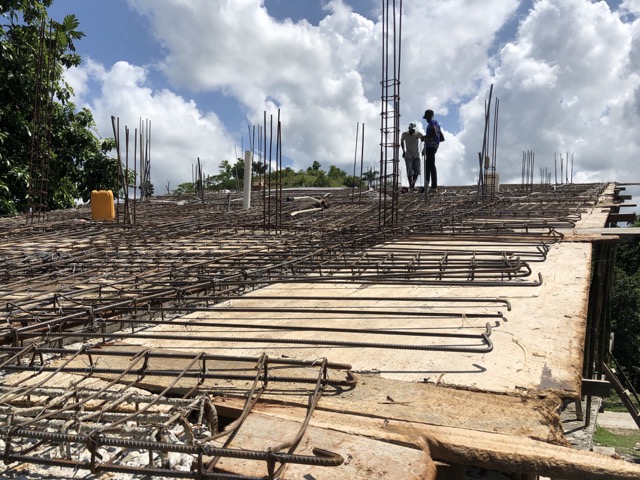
(428, 113)
(412, 125)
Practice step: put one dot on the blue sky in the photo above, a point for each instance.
(565, 71)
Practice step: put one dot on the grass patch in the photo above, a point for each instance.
(623, 441)
(612, 403)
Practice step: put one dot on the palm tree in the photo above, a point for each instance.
(372, 177)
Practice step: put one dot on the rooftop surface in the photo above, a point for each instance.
(361, 352)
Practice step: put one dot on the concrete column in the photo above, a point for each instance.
(248, 167)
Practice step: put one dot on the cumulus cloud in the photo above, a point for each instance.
(564, 71)
(565, 85)
(312, 73)
(326, 77)
(179, 132)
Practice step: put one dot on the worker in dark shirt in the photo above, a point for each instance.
(432, 140)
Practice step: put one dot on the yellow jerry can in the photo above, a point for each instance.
(102, 206)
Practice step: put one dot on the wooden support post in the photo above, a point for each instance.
(579, 412)
(598, 318)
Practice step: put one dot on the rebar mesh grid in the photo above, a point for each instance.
(100, 416)
(193, 272)
(192, 249)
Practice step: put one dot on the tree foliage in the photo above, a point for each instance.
(230, 177)
(371, 177)
(625, 310)
(44, 137)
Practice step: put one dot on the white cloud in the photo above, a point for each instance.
(564, 86)
(567, 81)
(326, 78)
(77, 78)
(632, 6)
(313, 73)
(180, 132)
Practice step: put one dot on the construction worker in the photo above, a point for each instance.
(432, 140)
(411, 153)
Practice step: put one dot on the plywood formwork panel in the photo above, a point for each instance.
(537, 346)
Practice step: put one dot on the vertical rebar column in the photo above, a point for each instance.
(135, 171)
(115, 124)
(571, 178)
(145, 160)
(390, 114)
(532, 165)
(265, 171)
(355, 161)
(361, 162)
(279, 174)
(199, 181)
(268, 173)
(125, 178)
(246, 184)
(528, 162)
(41, 124)
(142, 160)
(273, 203)
(250, 162)
(493, 174)
(483, 161)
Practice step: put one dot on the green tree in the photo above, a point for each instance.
(321, 179)
(225, 169)
(238, 169)
(625, 308)
(231, 174)
(625, 312)
(186, 188)
(353, 182)
(628, 254)
(258, 168)
(336, 174)
(148, 190)
(371, 176)
(54, 142)
(99, 171)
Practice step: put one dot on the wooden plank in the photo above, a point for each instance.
(364, 458)
(622, 217)
(537, 345)
(492, 451)
(517, 454)
(603, 233)
(377, 397)
(596, 388)
(617, 205)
